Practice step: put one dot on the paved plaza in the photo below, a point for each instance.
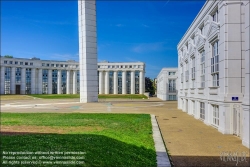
(189, 141)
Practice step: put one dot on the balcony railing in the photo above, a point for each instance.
(171, 91)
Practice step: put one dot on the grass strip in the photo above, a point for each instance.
(112, 140)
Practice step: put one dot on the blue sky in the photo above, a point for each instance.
(127, 31)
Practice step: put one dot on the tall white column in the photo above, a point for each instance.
(87, 51)
(115, 83)
(23, 80)
(107, 82)
(59, 82)
(68, 82)
(132, 82)
(101, 82)
(2, 80)
(142, 82)
(33, 81)
(124, 86)
(49, 81)
(40, 81)
(74, 82)
(13, 81)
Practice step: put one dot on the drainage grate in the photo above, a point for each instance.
(174, 117)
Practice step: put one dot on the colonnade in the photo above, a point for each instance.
(104, 85)
(37, 84)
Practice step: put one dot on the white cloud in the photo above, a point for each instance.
(119, 25)
(144, 25)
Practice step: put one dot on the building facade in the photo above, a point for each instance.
(166, 84)
(213, 67)
(35, 76)
(121, 78)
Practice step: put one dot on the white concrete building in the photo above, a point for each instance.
(166, 84)
(35, 76)
(213, 67)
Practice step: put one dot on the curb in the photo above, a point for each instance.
(161, 154)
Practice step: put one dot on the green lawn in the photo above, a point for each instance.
(67, 96)
(107, 139)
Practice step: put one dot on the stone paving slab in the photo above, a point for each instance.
(161, 154)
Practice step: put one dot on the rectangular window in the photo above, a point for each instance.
(7, 80)
(18, 75)
(202, 69)
(45, 81)
(21, 63)
(215, 115)
(172, 97)
(202, 30)
(10, 62)
(137, 80)
(64, 81)
(16, 62)
(26, 63)
(202, 110)
(54, 81)
(111, 82)
(28, 80)
(193, 69)
(43, 64)
(5, 62)
(187, 75)
(187, 72)
(128, 82)
(171, 86)
(215, 16)
(31, 64)
(215, 64)
(119, 82)
(171, 73)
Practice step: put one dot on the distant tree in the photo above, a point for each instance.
(149, 86)
(8, 56)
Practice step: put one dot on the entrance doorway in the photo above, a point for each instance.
(18, 89)
(236, 120)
